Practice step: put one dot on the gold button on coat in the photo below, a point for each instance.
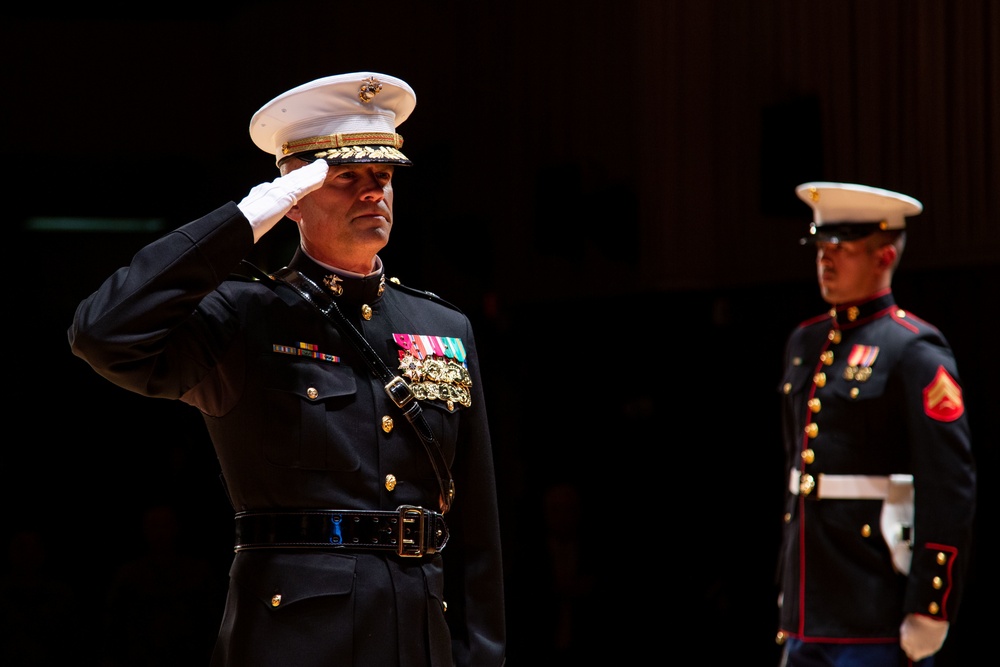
(814, 405)
(387, 423)
(276, 599)
(808, 456)
(366, 311)
(311, 392)
(812, 430)
(390, 482)
(806, 484)
(819, 379)
(866, 530)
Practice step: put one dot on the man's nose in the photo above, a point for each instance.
(372, 188)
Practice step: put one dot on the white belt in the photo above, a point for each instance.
(845, 487)
(895, 492)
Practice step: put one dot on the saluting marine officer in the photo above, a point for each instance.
(881, 479)
(359, 540)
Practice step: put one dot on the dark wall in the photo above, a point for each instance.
(609, 193)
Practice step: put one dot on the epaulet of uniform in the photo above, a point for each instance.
(825, 317)
(247, 273)
(396, 284)
(242, 277)
(912, 323)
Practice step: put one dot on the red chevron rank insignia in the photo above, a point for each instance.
(943, 398)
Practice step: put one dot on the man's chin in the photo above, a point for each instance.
(828, 293)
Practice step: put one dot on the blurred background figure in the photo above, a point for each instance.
(881, 488)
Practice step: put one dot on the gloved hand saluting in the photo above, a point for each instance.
(268, 203)
(921, 636)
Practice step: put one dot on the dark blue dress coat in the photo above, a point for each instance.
(298, 422)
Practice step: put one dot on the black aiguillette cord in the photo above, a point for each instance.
(395, 386)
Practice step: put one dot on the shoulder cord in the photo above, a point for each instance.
(395, 386)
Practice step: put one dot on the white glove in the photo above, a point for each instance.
(921, 636)
(268, 203)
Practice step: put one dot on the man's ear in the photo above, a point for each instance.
(294, 213)
(887, 255)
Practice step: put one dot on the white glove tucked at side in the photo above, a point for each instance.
(921, 636)
(268, 203)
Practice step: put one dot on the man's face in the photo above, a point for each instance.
(849, 270)
(347, 220)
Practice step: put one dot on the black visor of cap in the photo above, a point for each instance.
(837, 232)
(310, 156)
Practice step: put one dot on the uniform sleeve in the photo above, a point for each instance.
(138, 329)
(474, 579)
(944, 479)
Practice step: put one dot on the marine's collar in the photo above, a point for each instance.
(343, 286)
(852, 314)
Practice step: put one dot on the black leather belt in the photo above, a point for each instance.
(410, 531)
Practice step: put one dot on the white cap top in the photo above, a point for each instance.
(341, 118)
(845, 211)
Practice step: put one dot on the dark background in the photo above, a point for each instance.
(607, 189)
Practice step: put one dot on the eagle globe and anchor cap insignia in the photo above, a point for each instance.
(370, 87)
(943, 397)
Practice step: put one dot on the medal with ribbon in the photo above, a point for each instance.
(435, 367)
(860, 362)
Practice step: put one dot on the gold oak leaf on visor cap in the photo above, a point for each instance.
(342, 118)
(848, 211)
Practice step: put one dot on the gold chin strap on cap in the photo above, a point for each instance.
(342, 140)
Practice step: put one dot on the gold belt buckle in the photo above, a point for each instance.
(807, 484)
(408, 516)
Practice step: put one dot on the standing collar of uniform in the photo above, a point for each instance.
(856, 313)
(343, 285)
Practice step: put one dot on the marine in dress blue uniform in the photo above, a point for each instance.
(881, 480)
(327, 477)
